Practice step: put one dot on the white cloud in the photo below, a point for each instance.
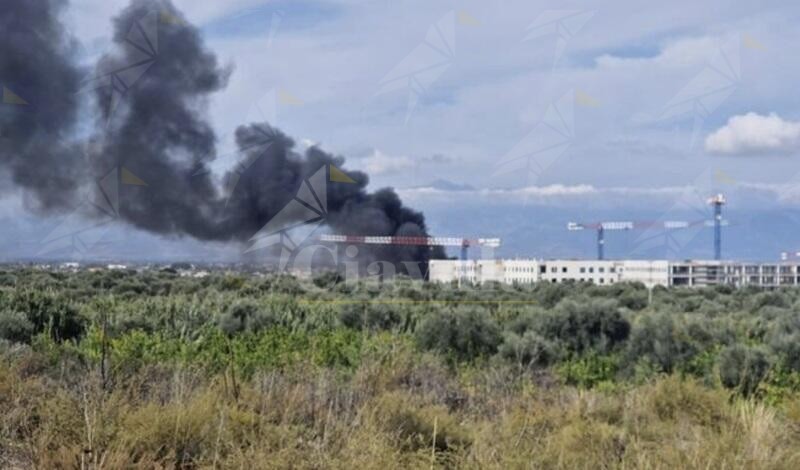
(753, 133)
(306, 143)
(554, 190)
(744, 195)
(548, 193)
(378, 163)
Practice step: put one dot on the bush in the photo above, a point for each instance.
(710, 308)
(550, 294)
(464, 333)
(633, 299)
(49, 313)
(528, 350)
(742, 368)
(783, 337)
(382, 317)
(530, 319)
(232, 283)
(589, 370)
(661, 342)
(374, 316)
(774, 299)
(787, 347)
(245, 316)
(586, 325)
(14, 326)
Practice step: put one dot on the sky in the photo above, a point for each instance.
(511, 118)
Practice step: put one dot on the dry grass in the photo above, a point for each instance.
(394, 412)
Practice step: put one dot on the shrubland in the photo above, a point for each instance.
(151, 370)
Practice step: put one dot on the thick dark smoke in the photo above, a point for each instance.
(274, 174)
(157, 129)
(39, 79)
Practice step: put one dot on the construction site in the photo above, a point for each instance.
(486, 268)
(651, 273)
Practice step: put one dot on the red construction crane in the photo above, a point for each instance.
(464, 243)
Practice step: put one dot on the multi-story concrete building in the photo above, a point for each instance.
(692, 273)
(703, 273)
(598, 272)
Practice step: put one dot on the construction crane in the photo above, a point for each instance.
(717, 202)
(463, 243)
(602, 227)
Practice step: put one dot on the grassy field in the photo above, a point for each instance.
(152, 370)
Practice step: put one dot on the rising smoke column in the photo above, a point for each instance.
(275, 172)
(162, 136)
(39, 106)
(158, 130)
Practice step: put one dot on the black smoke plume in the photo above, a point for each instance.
(152, 92)
(276, 170)
(154, 125)
(39, 106)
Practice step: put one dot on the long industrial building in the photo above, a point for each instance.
(692, 273)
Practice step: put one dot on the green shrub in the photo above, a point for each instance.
(783, 338)
(589, 370)
(595, 324)
(245, 316)
(742, 368)
(382, 316)
(463, 334)
(372, 316)
(232, 283)
(351, 315)
(49, 313)
(530, 318)
(529, 349)
(775, 299)
(633, 299)
(664, 342)
(551, 294)
(710, 308)
(14, 326)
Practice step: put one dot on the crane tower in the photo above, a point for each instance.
(717, 202)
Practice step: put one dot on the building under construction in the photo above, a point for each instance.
(692, 273)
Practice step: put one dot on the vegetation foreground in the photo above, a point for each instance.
(154, 370)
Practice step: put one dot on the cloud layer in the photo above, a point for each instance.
(754, 134)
